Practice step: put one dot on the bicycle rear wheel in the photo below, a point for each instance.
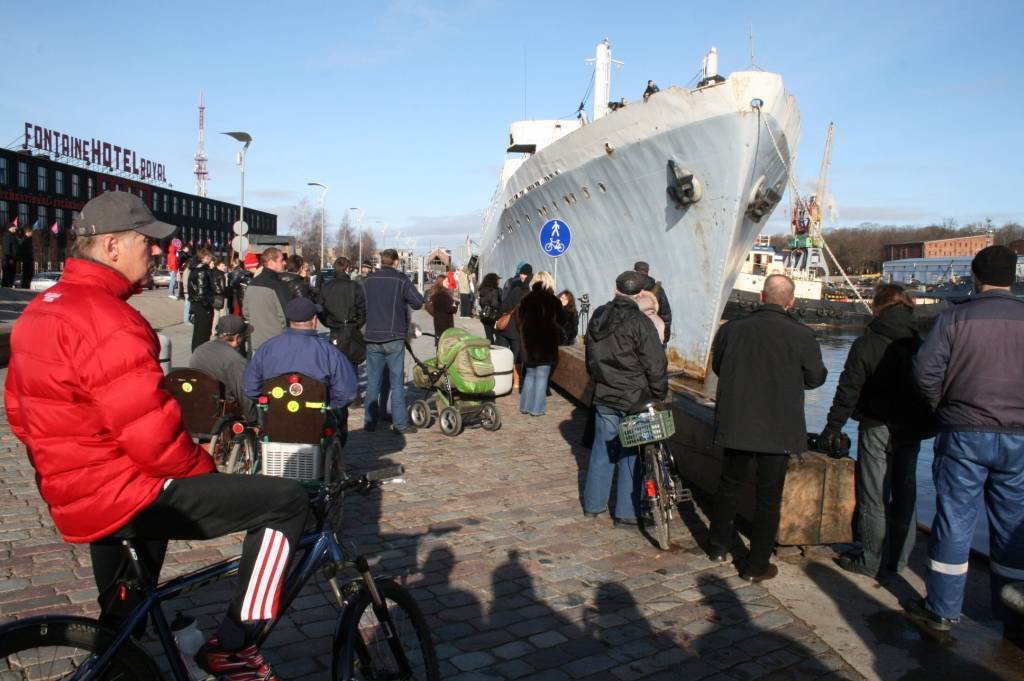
(655, 498)
(56, 647)
(363, 650)
(242, 459)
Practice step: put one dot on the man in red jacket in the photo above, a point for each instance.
(113, 461)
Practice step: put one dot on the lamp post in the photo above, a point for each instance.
(322, 195)
(359, 223)
(240, 162)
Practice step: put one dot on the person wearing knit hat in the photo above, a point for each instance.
(970, 371)
(509, 337)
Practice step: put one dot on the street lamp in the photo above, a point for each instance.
(322, 195)
(240, 162)
(359, 222)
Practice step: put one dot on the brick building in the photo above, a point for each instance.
(966, 246)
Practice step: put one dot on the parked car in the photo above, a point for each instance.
(161, 278)
(43, 280)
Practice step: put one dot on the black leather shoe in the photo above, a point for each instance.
(924, 617)
(718, 557)
(408, 430)
(771, 573)
(852, 564)
(626, 522)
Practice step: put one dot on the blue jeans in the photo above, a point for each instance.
(607, 456)
(886, 497)
(172, 288)
(392, 356)
(533, 398)
(968, 465)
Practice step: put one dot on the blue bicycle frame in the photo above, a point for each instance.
(319, 549)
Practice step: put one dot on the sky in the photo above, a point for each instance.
(402, 107)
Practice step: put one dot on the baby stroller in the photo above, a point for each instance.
(461, 379)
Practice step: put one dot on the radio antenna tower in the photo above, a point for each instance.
(200, 168)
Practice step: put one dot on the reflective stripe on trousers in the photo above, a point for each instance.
(969, 465)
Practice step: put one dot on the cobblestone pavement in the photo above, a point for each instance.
(489, 535)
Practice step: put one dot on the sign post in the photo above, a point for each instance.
(555, 236)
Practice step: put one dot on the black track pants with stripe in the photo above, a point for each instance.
(272, 512)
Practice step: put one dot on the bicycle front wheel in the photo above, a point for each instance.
(56, 647)
(655, 498)
(363, 650)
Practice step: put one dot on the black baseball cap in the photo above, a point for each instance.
(119, 212)
(231, 325)
(300, 310)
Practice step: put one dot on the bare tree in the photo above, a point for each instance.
(305, 227)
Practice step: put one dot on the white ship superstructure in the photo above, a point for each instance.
(684, 181)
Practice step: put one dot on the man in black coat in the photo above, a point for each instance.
(344, 312)
(664, 309)
(10, 246)
(519, 286)
(764, 362)
(628, 366)
(200, 297)
(877, 389)
(26, 257)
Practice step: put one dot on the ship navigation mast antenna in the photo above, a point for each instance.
(200, 158)
(602, 62)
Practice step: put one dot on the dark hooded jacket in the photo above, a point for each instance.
(877, 384)
(540, 319)
(625, 358)
(764, 362)
(516, 291)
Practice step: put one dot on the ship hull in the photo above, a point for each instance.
(608, 181)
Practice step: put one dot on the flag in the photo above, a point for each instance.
(35, 225)
(55, 228)
(15, 223)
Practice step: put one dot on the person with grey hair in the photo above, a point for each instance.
(265, 299)
(112, 458)
(764, 362)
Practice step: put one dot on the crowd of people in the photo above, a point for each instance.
(963, 382)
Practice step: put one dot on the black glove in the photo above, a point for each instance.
(830, 440)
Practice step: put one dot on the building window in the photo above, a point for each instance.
(41, 178)
(5, 216)
(156, 200)
(58, 181)
(167, 204)
(3, 171)
(23, 215)
(76, 185)
(22, 174)
(90, 187)
(103, 185)
(58, 217)
(174, 205)
(41, 212)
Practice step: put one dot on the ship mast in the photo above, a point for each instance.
(200, 158)
(602, 78)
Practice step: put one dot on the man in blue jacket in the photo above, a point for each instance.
(970, 370)
(389, 297)
(300, 350)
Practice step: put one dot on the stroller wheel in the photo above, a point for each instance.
(450, 421)
(419, 414)
(490, 417)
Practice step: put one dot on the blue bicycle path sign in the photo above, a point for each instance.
(555, 237)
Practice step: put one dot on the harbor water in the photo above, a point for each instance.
(835, 344)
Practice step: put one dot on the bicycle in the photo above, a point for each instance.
(661, 491)
(380, 633)
(234, 445)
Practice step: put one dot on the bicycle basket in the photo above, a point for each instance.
(640, 429)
